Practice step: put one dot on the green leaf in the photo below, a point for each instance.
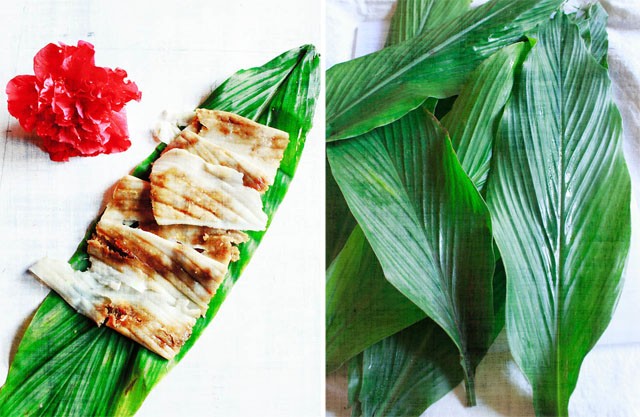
(413, 17)
(426, 223)
(421, 366)
(362, 306)
(65, 365)
(379, 88)
(339, 220)
(472, 120)
(559, 195)
(592, 22)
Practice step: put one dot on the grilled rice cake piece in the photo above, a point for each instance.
(138, 306)
(187, 190)
(227, 139)
(131, 205)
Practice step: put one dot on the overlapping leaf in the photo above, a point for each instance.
(421, 365)
(67, 366)
(592, 22)
(423, 217)
(413, 17)
(559, 198)
(381, 87)
(472, 120)
(362, 306)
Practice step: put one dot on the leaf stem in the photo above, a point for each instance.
(469, 382)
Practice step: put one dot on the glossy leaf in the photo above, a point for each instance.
(379, 88)
(559, 197)
(362, 306)
(67, 366)
(413, 17)
(472, 121)
(423, 218)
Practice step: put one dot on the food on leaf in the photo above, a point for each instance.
(162, 248)
(74, 106)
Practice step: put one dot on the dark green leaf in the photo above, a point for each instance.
(559, 197)
(339, 220)
(426, 223)
(379, 88)
(67, 366)
(404, 374)
(362, 306)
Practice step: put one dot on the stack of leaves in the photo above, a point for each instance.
(65, 365)
(449, 217)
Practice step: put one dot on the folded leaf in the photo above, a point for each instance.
(362, 306)
(426, 223)
(592, 22)
(472, 121)
(67, 366)
(559, 198)
(379, 88)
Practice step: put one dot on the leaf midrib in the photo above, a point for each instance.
(418, 60)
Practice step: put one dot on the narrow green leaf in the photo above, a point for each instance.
(472, 120)
(592, 22)
(379, 88)
(559, 196)
(65, 365)
(422, 365)
(413, 17)
(426, 223)
(339, 220)
(362, 306)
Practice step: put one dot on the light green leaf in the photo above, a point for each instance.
(592, 22)
(559, 197)
(65, 365)
(421, 366)
(379, 88)
(362, 306)
(472, 120)
(413, 17)
(426, 223)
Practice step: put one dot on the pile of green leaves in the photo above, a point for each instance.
(65, 365)
(476, 182)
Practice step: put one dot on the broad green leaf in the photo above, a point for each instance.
(421, 366)
(362, 306)
(413, 17)
(559, 196)
(65, 365)
(472, 120)
(592, 22)
(426, 223)
(379, 88)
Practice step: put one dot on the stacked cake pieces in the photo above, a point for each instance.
(162, 248)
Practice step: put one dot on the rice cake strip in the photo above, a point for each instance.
(149, 315)
(249, 147)
(187, 190)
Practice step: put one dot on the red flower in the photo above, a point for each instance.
(75, 107)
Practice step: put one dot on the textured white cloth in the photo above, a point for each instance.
(262, 354)
(609, 380)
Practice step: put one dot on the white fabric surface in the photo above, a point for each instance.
(609, 380)
(263, 353)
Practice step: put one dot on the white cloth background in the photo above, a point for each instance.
(609, 380)
(263, 353)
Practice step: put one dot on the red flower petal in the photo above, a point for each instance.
(76, 107)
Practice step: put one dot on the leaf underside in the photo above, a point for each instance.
(65, 365)
(559, 196)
